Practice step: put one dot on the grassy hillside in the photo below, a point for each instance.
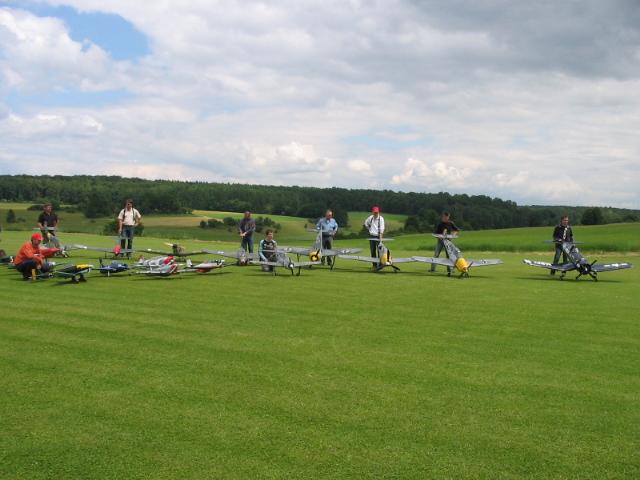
(623, 237)
(614, 237)
(239, 374)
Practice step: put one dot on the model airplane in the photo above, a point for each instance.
(116, 251)
(577, 262)
(281, 259)
(202, 267)
(384, 258)
(75, 272)
(4, 258)
(241, 256)
(176, 251)
(455, 258)
(112, 268)
(316, 253)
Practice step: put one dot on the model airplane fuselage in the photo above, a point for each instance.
(455, 258)
(384, 258)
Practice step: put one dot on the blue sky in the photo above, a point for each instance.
(535, 103)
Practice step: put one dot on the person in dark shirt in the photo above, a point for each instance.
(268, 250)
(246, 227)
(446, 226)
(48, 223)
(562, 233)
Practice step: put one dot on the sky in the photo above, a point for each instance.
(535, 102)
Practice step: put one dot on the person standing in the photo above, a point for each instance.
(562, 233)
(48, 223)
(246, 228)
(328, 228)
(375, 226)
(29, 257)
(128, 219)
(267, 250)
(446, 226)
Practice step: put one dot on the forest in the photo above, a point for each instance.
(98, 196)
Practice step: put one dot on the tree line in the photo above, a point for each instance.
(99, 196)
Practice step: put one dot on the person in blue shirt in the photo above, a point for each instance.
(328, 227)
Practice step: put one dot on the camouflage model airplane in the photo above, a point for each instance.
(384, 258)
(317, 252)
(577, 262)
(455, 258)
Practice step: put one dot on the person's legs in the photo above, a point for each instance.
(26, 267)
(556, 258)
(327, 244)
(436, 254)
(373, 247)
(53, 240)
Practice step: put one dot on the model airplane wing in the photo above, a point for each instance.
(361, 258)
(305, 264)
(565, 267)
(435, 260)
(343, 251)
(296, 250)
(175, 254)
(607, 267)
(402, 259)
(482, 263)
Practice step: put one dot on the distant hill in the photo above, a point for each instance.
(100, 196)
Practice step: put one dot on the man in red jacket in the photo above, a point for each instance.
(30, 258)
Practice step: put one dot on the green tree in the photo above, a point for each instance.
(592, 216)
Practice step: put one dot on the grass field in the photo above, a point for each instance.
(185, 227)
(342, 374)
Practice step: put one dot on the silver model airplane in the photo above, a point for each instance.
(177, 250)
(241, 256)
(116, 251)
(317, 253)
(577, 262)
(455, 258)
(384, 258)
(282, 260)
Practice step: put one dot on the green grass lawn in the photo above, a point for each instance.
(333, 374)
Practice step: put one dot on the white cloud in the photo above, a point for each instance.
(459, 96)
(360, 166)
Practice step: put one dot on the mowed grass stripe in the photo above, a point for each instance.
(330, 374)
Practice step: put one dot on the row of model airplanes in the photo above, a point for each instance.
(176, 261)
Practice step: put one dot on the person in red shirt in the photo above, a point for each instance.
(29, 257)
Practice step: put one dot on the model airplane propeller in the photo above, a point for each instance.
(455, 258)
(578, 262)
(384, 258)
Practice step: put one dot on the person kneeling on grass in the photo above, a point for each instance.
(267, 250)
(29, 258)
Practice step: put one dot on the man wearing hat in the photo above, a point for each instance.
(375, 225)
(30, 258)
